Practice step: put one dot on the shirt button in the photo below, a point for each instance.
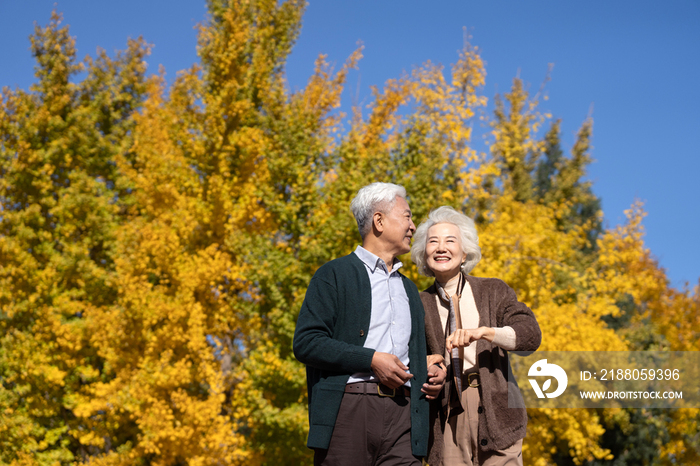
(484, 441)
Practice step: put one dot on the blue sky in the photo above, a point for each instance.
(636, 64)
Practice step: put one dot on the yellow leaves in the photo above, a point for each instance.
(277, 418)
(174, 421)
(575, 431)
(160, 173)
(383, 110)
(322, 91)
(155, 301)
(522, 235)
(449, 107)
(625, 264)
(682, 449)
(24, 459)
(678, 317)
(514, 145)
(469, 74)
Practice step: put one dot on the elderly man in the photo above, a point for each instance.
(361, 335)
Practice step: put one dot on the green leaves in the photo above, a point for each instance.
(156, 242)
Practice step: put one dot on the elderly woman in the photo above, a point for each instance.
(473, 322)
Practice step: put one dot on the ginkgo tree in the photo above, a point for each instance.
(156, 241)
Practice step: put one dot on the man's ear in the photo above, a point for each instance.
(378, 221)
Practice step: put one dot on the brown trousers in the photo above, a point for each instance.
(370, 430)
(462, 434)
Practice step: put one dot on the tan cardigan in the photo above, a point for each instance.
(499, 426)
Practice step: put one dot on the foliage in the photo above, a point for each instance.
(156, 242)
(58, 237)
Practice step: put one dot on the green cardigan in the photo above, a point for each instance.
(331, 329)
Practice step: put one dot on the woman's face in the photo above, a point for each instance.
(443, 251)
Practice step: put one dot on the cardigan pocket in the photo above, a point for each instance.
(326, 404)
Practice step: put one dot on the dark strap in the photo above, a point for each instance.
(371, 388)
(454, 323)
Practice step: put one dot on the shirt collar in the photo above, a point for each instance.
(372, 261)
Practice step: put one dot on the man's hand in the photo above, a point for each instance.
(464, 337)
(390, 370)
(437, 374)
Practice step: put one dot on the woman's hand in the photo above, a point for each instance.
(435, 359)
(437, 373)
(464, 337)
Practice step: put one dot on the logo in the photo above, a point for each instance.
(542, 369)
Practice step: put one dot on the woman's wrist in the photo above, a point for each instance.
(488, 333)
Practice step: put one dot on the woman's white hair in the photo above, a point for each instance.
(372, 198)
(469, 239)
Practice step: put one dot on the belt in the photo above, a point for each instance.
(472, 379)
(371, 388)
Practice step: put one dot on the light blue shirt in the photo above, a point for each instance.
(390, 321)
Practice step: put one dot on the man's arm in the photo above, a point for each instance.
(314, 344)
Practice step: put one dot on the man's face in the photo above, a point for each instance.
(399, 227)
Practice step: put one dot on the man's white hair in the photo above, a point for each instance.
(468, 236)
(372, 198)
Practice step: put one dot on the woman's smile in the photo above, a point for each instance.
(443, 251)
